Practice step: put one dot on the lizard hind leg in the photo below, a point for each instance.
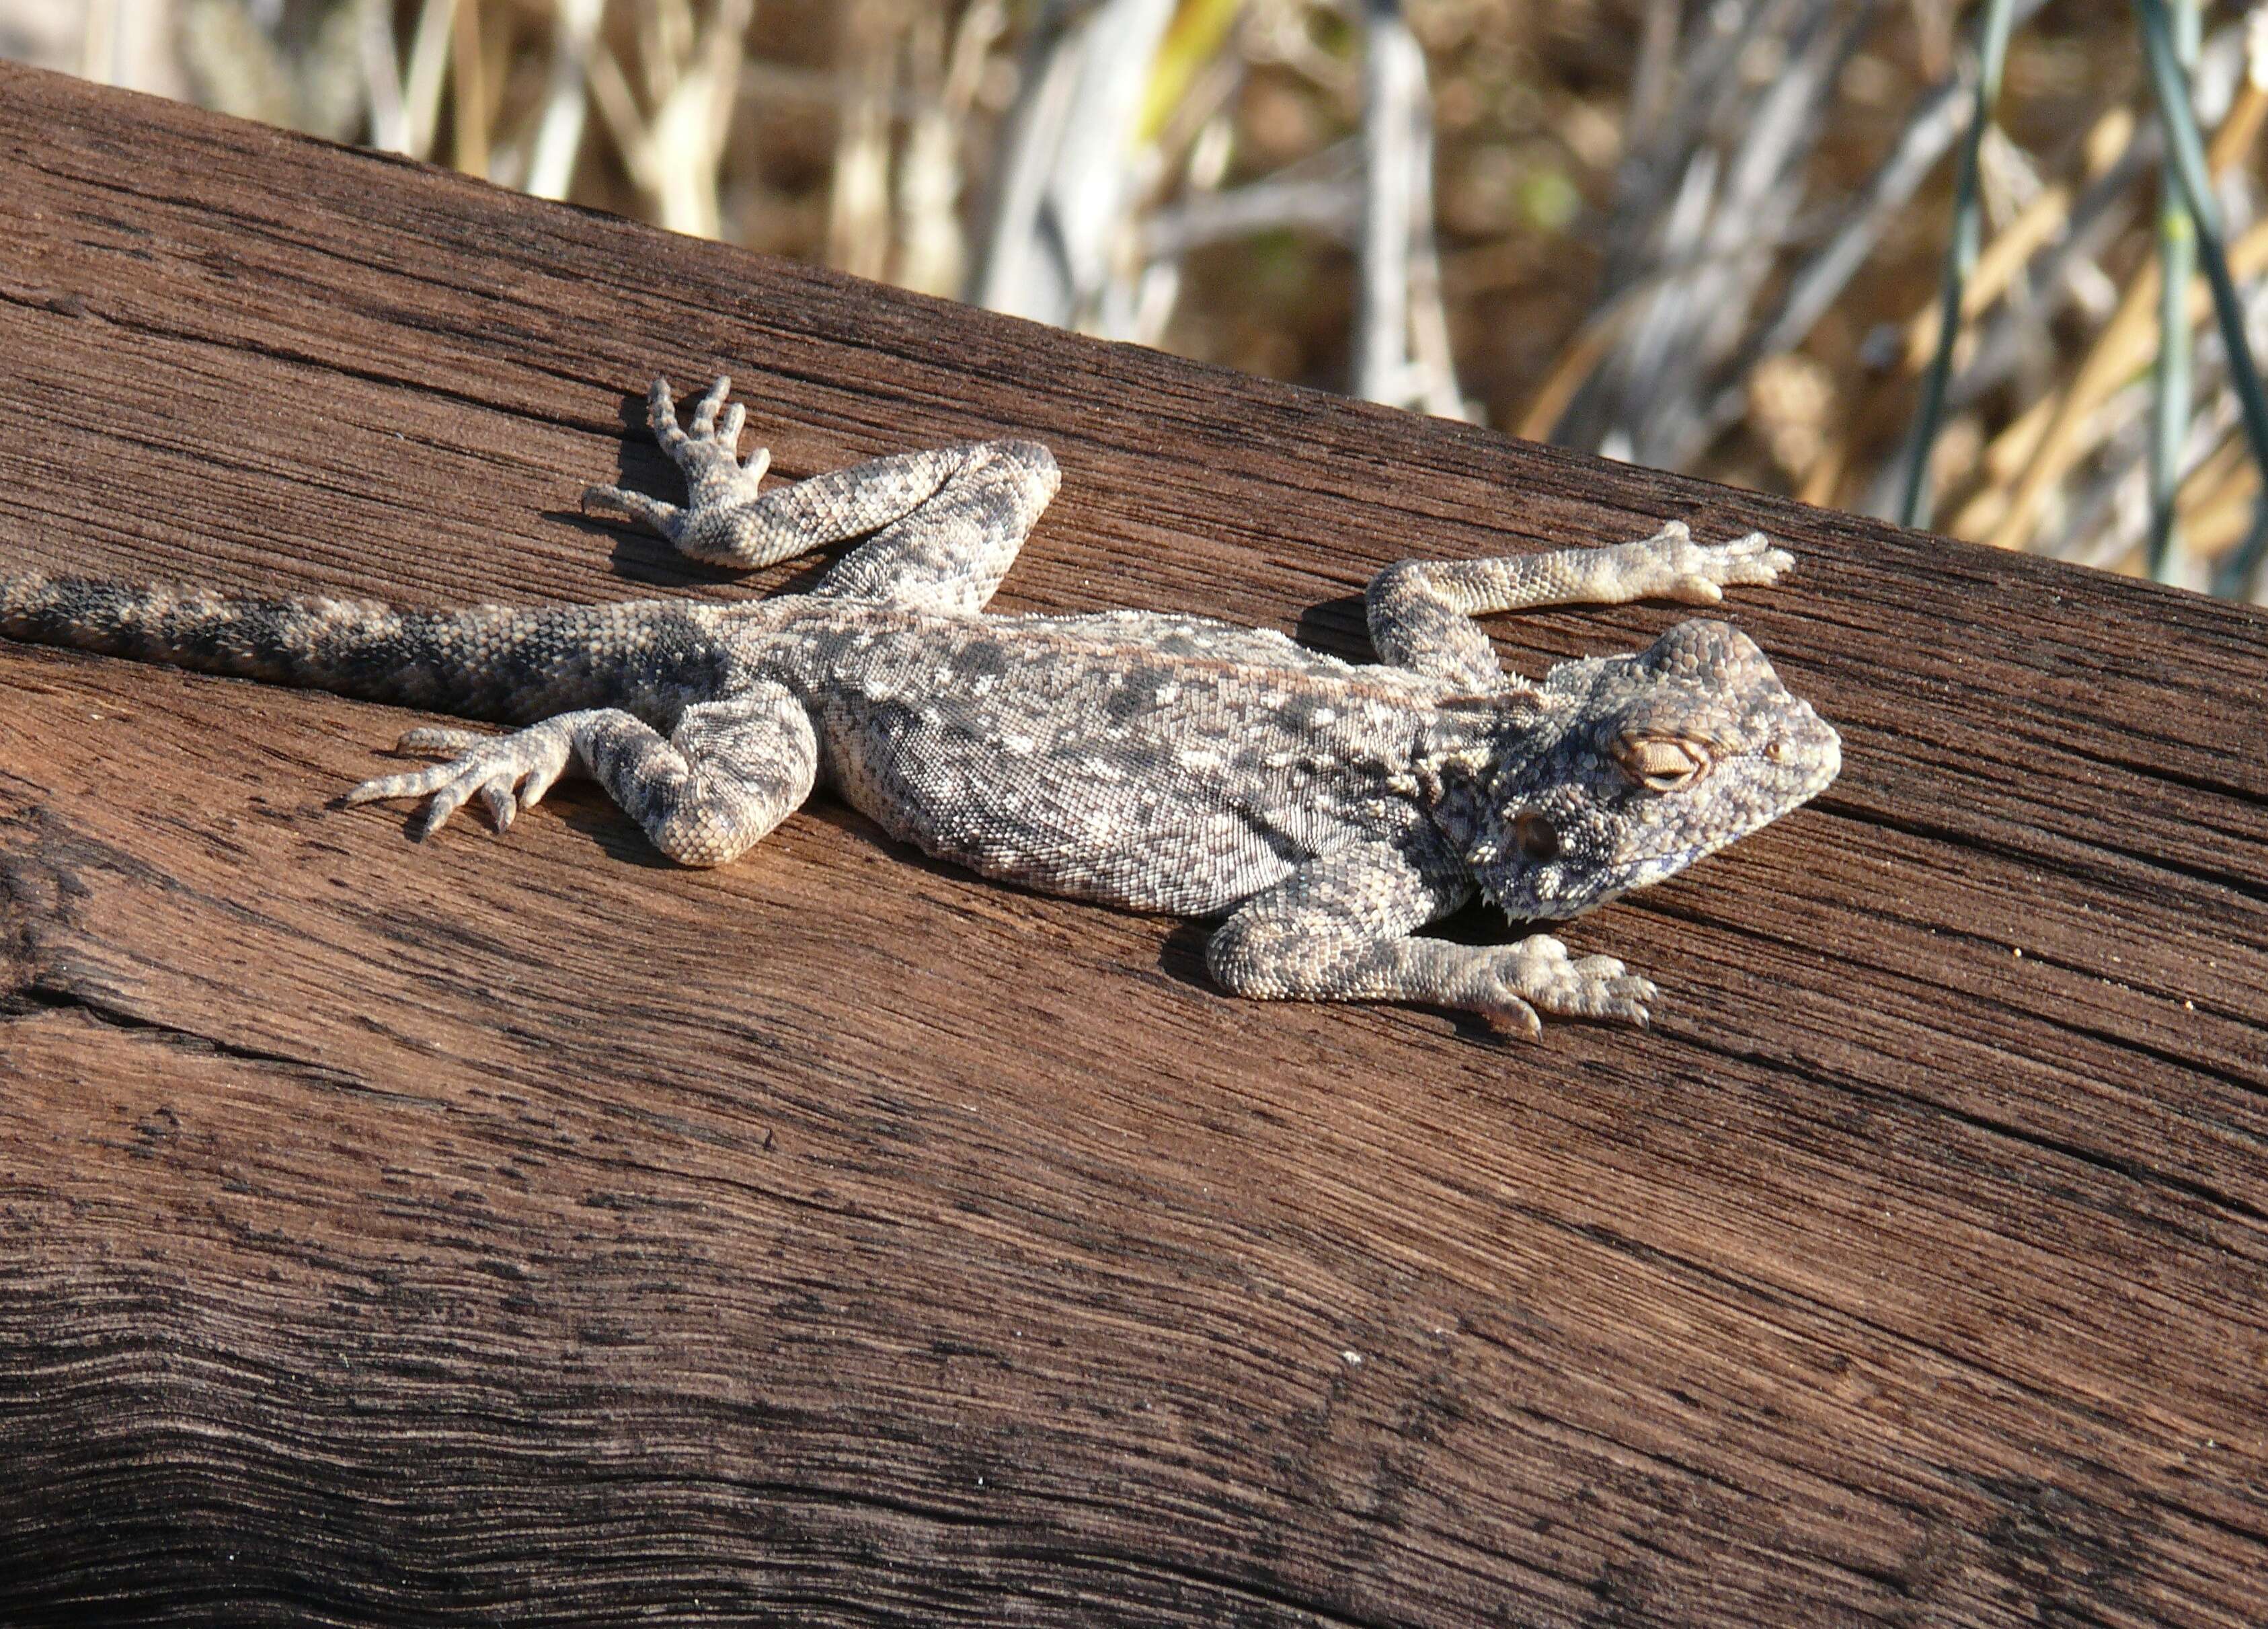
(729, 773)
(942, 525)
(948, 553)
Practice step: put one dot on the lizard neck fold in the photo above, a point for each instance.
(1463, 752)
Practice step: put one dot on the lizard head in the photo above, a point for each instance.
(1636, 766)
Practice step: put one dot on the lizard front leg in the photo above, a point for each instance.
(1421, 611)
(730, 771)
(1340, 929)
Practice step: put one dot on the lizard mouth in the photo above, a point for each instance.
(1813, 744)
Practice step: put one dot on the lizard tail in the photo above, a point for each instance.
(500, 663)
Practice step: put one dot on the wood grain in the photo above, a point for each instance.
(526, 1232)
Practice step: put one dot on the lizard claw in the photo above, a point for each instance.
(488, 767)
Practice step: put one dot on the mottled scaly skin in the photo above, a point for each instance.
(1327, 811)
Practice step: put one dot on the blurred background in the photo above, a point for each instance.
(1707, 235)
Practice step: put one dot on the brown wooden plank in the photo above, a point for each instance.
(526, 1231)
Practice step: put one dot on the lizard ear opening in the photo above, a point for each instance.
(1661, 762)
(1538, 837)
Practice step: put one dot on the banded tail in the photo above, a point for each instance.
(508, 665)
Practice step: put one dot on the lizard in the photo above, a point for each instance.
(1323, 811)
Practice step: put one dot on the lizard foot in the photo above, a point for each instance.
(1537, 973)
(487, 766)
(708, 454)
(1670, 565)
(710, 450)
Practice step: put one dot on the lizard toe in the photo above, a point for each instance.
(628, 505)
(501, 806)
(440, 740)
(705, 411)
(409, 784)
(446, 800)
(661, 415)
(1508, 1014)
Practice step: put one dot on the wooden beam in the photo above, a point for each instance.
(525, 1231)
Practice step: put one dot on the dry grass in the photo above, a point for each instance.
(1674, 232)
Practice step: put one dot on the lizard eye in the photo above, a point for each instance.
(1538, 837)
(1661, 762)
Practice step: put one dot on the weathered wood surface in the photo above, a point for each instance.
(524, 1231)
